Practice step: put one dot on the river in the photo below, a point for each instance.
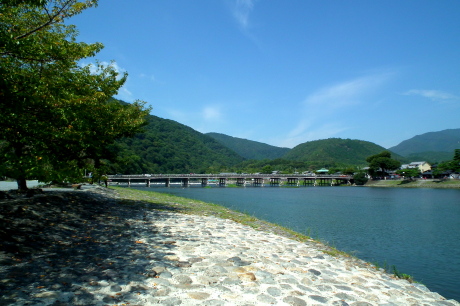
(416, 230)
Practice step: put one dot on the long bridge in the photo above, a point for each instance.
(256, 180)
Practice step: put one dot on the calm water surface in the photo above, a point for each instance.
(417, 230)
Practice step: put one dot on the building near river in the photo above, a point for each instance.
(423, 166)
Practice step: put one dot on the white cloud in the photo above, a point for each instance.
(241, 10)
(434, 95)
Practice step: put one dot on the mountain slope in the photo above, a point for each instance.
(426, 145)
(249, 149)
(167, 146)
(335, 151)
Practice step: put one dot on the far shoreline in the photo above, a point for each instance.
(419, 183)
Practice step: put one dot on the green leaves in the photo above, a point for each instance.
(52, 107)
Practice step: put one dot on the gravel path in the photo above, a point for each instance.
(85, 248)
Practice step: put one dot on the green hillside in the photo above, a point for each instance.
(249, 149)
(334, 152)
(425, 145)
(167, 146)
(431, 157)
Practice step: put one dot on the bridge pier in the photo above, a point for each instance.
(240, 182)
(258, 182)
(185, 182)
(204, 182)
(291, 181)
(222, 181)
(167, 182)
(129, 182)
(147, 183)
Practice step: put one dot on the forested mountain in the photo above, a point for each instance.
(167, 146)
(249, 149)
(334, 152)
(432, 146)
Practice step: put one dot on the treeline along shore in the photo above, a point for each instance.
(107, 246)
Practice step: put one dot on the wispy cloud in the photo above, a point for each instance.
(241, 10)
(346, 93)
(323, 111)
(149, 77)
(211, 113)
(434, 95)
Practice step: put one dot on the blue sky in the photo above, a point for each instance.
(284, 72)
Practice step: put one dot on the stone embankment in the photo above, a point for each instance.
(88, 248)
(418, 183)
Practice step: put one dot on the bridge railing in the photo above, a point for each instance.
(226, 175)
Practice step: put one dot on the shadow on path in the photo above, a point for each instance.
(68, 241)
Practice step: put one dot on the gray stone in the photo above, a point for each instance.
(318, 298)
(115, 288)
(198, 295)
(342, 303)
(285, 286)
(263, 298)
(295, 301)
(162, 281)
(166, 274)
(289, 280)
(346, 288)
(306, 281)
(273, 291)
(171, 302)
(345, 297)
(231, 281)
(315, 272)
(163, 291)
(213, 303)
(182, 279)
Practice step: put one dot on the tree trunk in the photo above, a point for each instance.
(22, 184)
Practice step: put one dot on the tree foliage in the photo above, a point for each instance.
(408, 173)
(360, 178)
(452, 165)
(56, 114)
(249, 149)
(166, 146)
(334, 152)
(381, 163)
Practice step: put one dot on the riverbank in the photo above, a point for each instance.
(120, 246)
(419, 183)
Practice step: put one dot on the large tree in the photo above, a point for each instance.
(382, 163)
(56, 115)
(452, 165)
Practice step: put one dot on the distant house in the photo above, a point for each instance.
(423, 166)
(322, 171)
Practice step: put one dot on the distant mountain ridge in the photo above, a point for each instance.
(335, 151)
(249, 149)
(431, 146)
(167, 146)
